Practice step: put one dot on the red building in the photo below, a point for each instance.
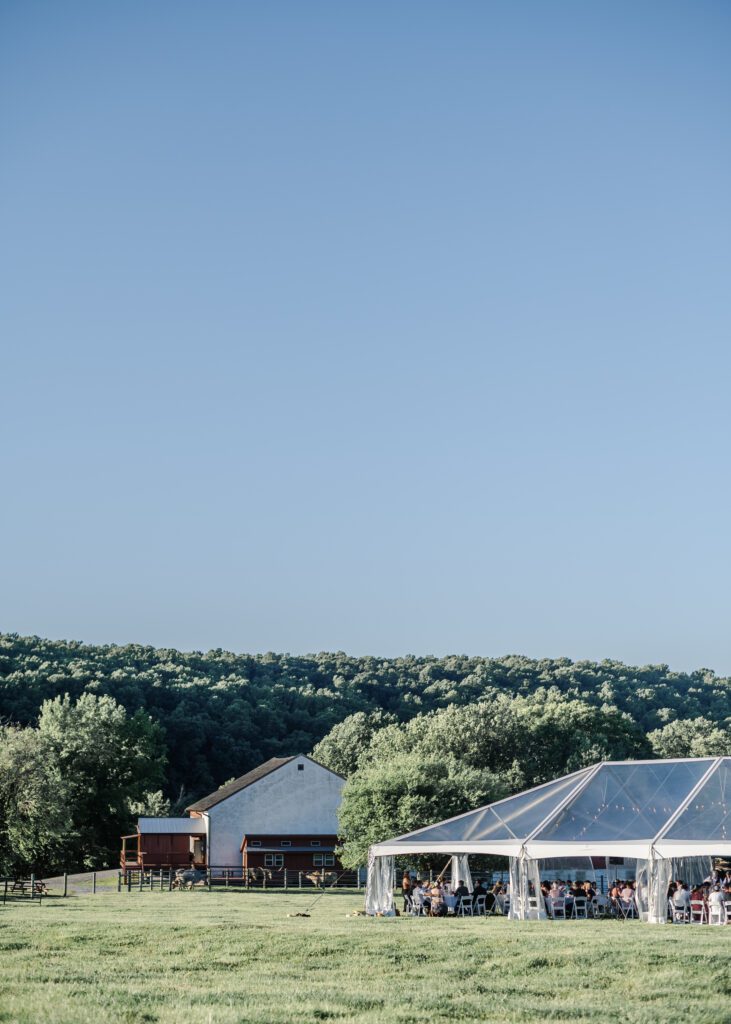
(165, 843)
(291, 852)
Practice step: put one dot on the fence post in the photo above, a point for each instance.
(93, 883)
(32, 885)
(208, 874)
(119, 881)
(142, 878)
(264, 880)
(170, 879)
(285, 879)
(225, 875)
(65, 883)
(300, 880)
(129, 880)
(5, 894)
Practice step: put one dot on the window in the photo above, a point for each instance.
(285, 842)
(255, 842)
(273, 860)
(314, 842)
(323, 860)
(300, 767)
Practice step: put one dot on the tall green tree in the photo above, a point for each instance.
(105, 759)
(343, 746)
(698, 737)
(388, 798)
(36, 827)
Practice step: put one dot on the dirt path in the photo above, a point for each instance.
(82, 882)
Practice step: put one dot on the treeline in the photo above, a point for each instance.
(218, 714)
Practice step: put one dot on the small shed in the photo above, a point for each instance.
(165, 843)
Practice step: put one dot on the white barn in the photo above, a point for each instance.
(286, 810)
(285, 796)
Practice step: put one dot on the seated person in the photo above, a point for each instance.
(421, 894)
(462, 893)
(438, 907)
(681, 896)
(480, 890)
(576, 891)
(716, 897)
(589, 890)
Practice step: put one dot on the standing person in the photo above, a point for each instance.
(437, 908)
(406, 890)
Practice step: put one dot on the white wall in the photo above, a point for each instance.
(287, 801)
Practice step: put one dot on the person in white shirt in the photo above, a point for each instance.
(716, 896)
(681, 896)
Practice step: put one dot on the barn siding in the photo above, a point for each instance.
(286, 802)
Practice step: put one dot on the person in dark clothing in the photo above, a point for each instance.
(479, 890)
(462, 893)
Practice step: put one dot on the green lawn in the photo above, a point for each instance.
(200, 958)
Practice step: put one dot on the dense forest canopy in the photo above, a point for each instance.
(215, 715)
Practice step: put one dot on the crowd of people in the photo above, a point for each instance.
(711, 898)
(705, 901)
(437, 898)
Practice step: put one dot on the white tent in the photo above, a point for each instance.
(655, 811)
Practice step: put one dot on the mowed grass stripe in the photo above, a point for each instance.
(236, 957)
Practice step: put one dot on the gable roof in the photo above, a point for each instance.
(249, 779)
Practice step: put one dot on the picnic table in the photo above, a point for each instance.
(26, 887)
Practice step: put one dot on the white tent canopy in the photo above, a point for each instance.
(650, 810)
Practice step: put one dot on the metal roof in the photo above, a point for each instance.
(206, 802)
(238, 784)
(172, 826)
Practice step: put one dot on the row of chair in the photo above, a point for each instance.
(417, 907)
(696, 912)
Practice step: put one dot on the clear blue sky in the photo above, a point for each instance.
(383, 327)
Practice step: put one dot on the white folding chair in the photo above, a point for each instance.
(696, 914)
(558, 908)
(628, 907)
(727, 908)
(716, 913)
(579, 908)
(479, 906)
(599, 906)
(464, 907)
(417, 906)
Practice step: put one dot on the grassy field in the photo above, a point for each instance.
(219, 958)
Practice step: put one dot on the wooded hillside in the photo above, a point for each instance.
(221, 714)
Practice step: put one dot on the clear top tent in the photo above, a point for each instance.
(658, 812)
